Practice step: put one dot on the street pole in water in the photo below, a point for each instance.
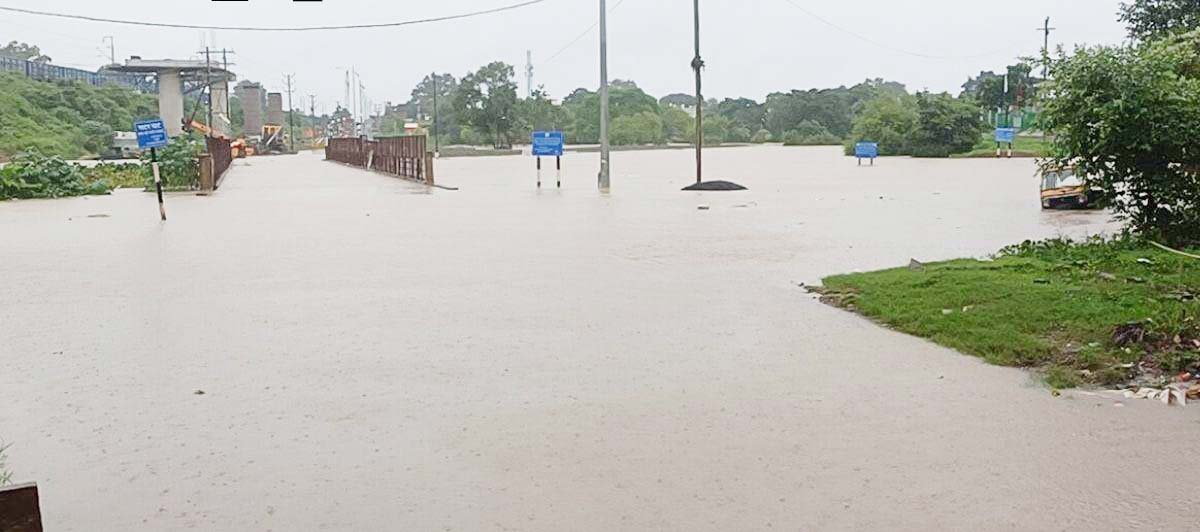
(698, 64)
(604, 151)
(162, 210)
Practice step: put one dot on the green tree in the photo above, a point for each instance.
(810, 133)
(945, 126)
(744, 112)
(1125, 117)
(1151, 19)
(486, 100)
(676, 123)
(716, 128)
(538, 113)
(623, 100)
(638, 129)
(989, 90)
(889, 121)
(28, 52)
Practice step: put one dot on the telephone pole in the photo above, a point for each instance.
(604, 148)
(529, 73)
(208, 86)
(291, 116)
(1046, 29)
(437, 141)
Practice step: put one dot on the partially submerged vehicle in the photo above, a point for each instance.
(1063, 189)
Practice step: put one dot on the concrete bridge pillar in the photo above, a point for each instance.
(170, 101)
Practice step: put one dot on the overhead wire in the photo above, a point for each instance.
(882, 45)
(585, 33)
(273, 29)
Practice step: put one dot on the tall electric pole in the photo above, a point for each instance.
(291, 116)
(604, 148)
(697, 65)
(529, 73)
(437, 142)
(208, 86)
(112, 49)
(1046, 48)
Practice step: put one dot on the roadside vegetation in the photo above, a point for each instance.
(1034, 147)
(35, 175)
(1100, 312)
(69, 119)
(5, 474)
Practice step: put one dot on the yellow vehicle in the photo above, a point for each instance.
(1062, 189)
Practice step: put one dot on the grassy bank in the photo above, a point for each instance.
(1099, 313)
(1023, 147)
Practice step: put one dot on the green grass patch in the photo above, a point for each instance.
(1023, 147)
(1097, 312)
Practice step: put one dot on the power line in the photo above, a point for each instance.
(581, 36)
(256, 28)
(885, 46)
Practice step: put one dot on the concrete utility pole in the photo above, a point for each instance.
(697, 65)
(291, 116)
(1046, 48)
(604, 148)
(437, 142)
(529, 73)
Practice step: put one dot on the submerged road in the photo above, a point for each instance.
(321, 348)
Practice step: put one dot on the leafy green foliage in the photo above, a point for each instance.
(889, 121)
(1052, 305)
(1152, 19)
(33, 175)
(486, 100)
(810, 133)
(28, 52)
(179, 163)
(945, 126)
(676, 124)
(988, 89)
(833, 108)
(67, 119)
(1126, 118)
(642, 128)
(115, 176)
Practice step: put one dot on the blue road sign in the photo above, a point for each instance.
(1006, 135)
(866, 150)
(151, 134)
(547, 143)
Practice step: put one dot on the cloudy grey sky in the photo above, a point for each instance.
(752, 47)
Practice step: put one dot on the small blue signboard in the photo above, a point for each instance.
(866, 150)
(547, 143)
(1006, 135)
(151, 134)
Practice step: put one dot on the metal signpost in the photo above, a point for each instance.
(548, 144)
(1005, 135)
(866, 150)
(152, 134)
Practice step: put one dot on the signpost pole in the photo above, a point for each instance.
(558, 171)
(162, 210)
(539, 171)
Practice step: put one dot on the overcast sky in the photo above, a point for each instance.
(752, 47)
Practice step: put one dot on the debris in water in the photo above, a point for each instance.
(704, 207)
(198, 392)
(98, 216)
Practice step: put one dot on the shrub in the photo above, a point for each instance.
(945, 126)
(178, 163)
(888, 121)
(810, 133)
(1125, 117)
(33, 175)
(738, 134)
(762, 136)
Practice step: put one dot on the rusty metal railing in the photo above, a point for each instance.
(400, 156)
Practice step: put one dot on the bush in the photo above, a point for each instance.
(945, 126)
(638, 129)
(738, 134)
(888, 121)
(33, 175)
(761, 137)
(179, 163)
(810, 133)
(119, 175)
(1125, 117)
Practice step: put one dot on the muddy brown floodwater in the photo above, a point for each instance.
(379, 356)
